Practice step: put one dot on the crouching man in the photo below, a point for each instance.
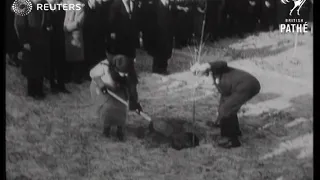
(118, 76)
(236, 88)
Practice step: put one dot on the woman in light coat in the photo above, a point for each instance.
(73, 27)
(117, 75)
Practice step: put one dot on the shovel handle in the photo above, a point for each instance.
(144, 115)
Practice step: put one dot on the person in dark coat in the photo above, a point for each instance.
(73, 26)
(12, 42)
(34, 36)
(183, 23)
(164, 35)
(216, 21)
(236, 88)
(93, 33)
(123, 28)
(148, 25)
(241, 16)
(198, 10)
(268, 15)
(58, 52)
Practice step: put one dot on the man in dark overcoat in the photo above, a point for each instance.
(148, 24)
(94, 33)
(58, 52)
(12, 42)
(164, 36)
(183, 23)
(123, 28)
(236, 88)
(34, 36)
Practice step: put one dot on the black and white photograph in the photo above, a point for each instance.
(159, 90)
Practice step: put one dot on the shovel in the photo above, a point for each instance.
(144, 115)
(158, 126)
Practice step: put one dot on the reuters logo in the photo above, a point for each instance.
(22, 7)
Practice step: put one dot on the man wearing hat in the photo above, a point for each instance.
(236, 88)
(116, 75)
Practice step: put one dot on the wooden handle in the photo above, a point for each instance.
(144, 115)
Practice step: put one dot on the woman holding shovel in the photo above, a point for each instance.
(115, 81)
(236, 88)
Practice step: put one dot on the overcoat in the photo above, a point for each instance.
(32, 30)
(73, 26)
(125, 26)
(236, 88)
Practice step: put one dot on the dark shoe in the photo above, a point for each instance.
(106, 132)
(39, 96)
(161, 72)
(231, 143)
(120, 133)
(77, 81)
(213, 124)
(54, 88)
(63, 89)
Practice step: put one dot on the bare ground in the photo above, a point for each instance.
(59, 139)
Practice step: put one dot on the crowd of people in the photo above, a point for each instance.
(62, 46)
(99, 42)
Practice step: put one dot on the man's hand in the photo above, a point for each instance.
(201, 69)
(104, 90)
(27, 47)
(113, 36)
(135, 106)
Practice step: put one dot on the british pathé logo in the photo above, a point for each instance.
(294, 25)
(297, 4)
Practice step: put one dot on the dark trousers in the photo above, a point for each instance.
(57, 73)
(228, 109)
(35, 86)
(75, 71)
(229, 127)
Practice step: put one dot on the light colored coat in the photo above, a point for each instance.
(73, 26)
(109, 109)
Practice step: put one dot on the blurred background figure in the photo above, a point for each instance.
(73, 27)
(183, 24)
(94, 33)
(164, 36)
(148, 25)
(12, 42)
(198, 12)
(58, 51)
(36, 47)
(123, 27)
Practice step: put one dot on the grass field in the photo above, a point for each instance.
(60, 139)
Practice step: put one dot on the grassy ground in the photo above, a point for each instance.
(59, 139)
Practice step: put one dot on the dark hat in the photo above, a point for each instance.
(122, 63)
(219, 67)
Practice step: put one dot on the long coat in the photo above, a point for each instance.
(73, 25)
(32, 29)
(125, 26)
(12, 42)
(164, 33)
(148, 24)
(94, 35)
(58, 47)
